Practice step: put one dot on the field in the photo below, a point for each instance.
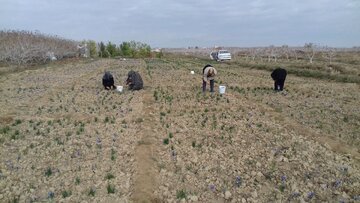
(65, 139)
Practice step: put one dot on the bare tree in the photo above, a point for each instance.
(21, 47)
(254, 52)
(271, 52)
(329, 53)
(285, 51)
(309, 49)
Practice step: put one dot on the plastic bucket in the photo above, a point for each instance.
(222, 89)
(119, 88)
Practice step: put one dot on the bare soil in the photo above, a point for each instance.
(65, 139)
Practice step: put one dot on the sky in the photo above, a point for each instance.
(184, 23)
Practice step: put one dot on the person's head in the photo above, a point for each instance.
(131, 73)
(211, 72)
(107, 75)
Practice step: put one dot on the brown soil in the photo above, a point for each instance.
(61, 132)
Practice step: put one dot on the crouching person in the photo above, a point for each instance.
(108, 81)
(279, 76)
(209, 73)
(134, 81)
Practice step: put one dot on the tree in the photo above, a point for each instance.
(125, 49)
(329, 53)
(92, 48)
(103, 53)
(135, 49)
(254, 52)
(309, 49)
(285, 51)
(111, 49)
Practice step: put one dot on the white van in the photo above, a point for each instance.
(220, 55)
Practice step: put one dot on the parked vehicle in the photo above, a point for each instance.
(220, 55)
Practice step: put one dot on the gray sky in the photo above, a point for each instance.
(183, 23)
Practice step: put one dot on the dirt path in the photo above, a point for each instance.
(145, 152)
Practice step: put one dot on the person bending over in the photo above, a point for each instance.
(279, 76)
(134, 81)
(108, 81)
(209, 73)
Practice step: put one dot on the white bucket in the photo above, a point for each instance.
(119, 88)
(222, 89)
(192, 72)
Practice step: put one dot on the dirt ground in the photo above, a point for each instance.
(66, 139)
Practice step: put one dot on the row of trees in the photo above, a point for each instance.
(131, 49)
(273, 53)
(22, 47)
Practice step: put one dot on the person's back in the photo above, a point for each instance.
(135, 81)
(209, 73)
(108, 80)
(279, 76)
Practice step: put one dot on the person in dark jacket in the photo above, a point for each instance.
(134, 81)
(108, 81)
(279, 76)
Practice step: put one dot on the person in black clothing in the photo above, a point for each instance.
(134, 81)
(108, 81)
(279, 76)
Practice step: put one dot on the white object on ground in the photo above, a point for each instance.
(222, 89)
(119, 88)
(192, 72)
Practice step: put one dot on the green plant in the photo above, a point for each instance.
(282, 188)
(181, 194)
(156, 97)
(113, 154)
(5, 130)
(92, 192)
(15, 135)
(66, 194)
(77, 181)
(48, 172)
(109, 176)
(166, 141)
(17, 122)
(110, 189)
(171, 135)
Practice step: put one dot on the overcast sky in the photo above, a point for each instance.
(183, 23)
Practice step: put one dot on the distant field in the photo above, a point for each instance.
(64, 138)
